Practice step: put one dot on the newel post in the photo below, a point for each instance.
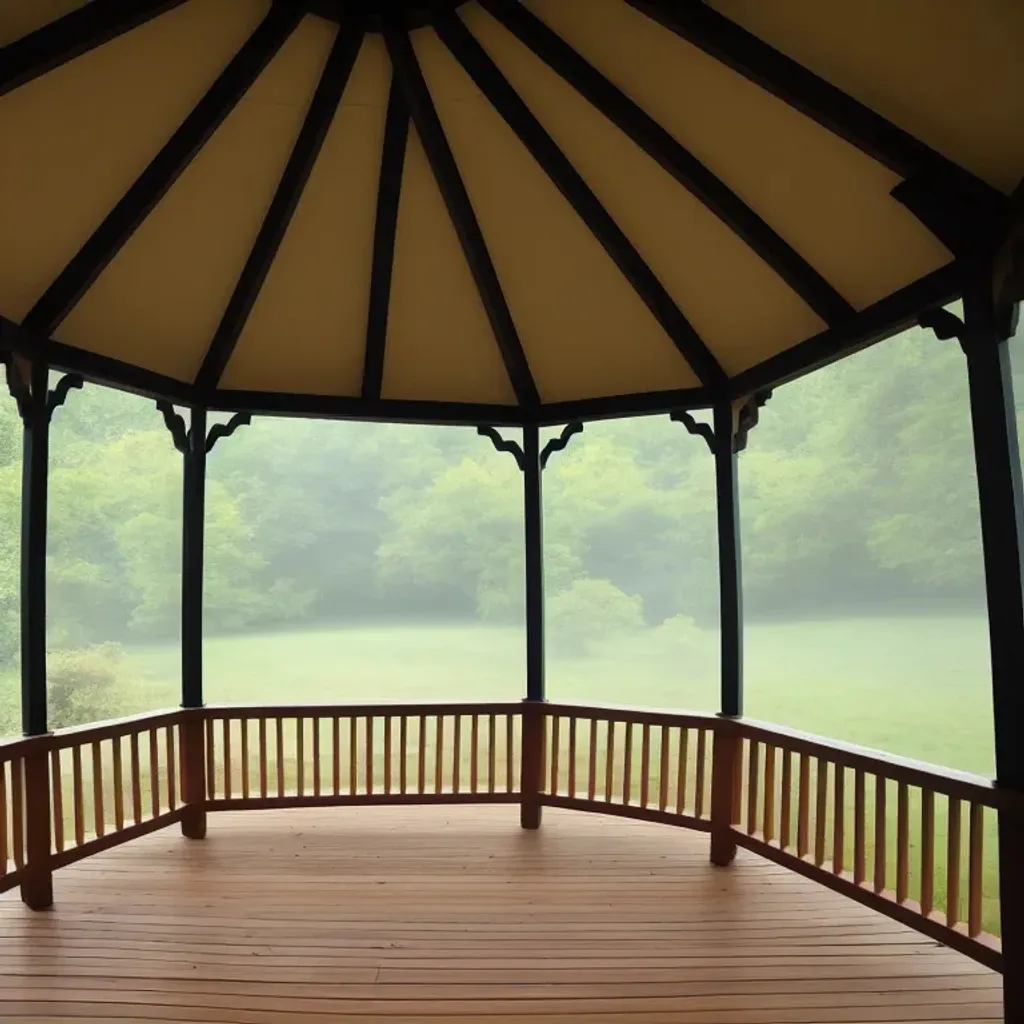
(195, 443)
(28, 380)
(725, 790)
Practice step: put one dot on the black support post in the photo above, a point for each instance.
(34, 494)
(193, 513)
(730, 593)
(533, 518)
(997, 460)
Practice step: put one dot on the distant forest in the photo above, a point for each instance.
(858, 493)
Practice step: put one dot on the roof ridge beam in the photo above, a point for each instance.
(71, 36)
(163, 171)
(672, 157)
(389, 190)
(510, 106)
(297, 171)
(460, 210)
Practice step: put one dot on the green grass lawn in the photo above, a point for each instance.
(913, 686)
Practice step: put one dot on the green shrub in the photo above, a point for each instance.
(590, 611)
(87, 685)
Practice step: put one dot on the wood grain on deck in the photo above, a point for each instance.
(431, 914)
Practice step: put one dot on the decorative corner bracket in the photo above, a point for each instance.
(747, 415)
(557, 444)
(183, 436)
(503, 445)
(219, 430)
(19, 383)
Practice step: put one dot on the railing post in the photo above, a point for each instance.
(192, 758)
(725, 783)
(532, 766)
(37, 885)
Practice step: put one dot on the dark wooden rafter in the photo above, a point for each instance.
(460, 210)
(78, 32)
(800, 88)
(286, 200)
(389, 190)
(496, 88)
(166, 167)
(672, 157)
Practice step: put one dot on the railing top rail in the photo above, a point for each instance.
(903, 769)
(360, 710)
(652, 716)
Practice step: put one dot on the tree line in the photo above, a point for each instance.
(857, 494)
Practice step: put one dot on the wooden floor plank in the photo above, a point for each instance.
(419, 915)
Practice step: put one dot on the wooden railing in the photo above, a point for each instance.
(905, 838)
(429, 753)
(913, 841)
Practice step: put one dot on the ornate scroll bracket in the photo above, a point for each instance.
(745, 420)
(182, 435)
(19, 383)
(560, 443)
(556, 444)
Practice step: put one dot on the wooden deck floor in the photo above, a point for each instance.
(432, 914)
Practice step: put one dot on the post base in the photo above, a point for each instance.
(193, 823)
(529, 815)
(723, 849)
(37, 892)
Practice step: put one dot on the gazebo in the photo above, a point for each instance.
(513, 216)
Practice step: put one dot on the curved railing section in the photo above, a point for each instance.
(913, 841)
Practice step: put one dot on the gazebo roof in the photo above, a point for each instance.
(492, 210)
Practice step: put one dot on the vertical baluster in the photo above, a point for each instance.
(902, 841)
(387, 754)
(591, 758)
(421, 755)
(510, 747)
(753, 774)
(859, 836)
(645, 763)
(211, 774)
(4, 846)
(335, 755)
(803, 808)
(353, 755)
(768, 818)
(702, 757)
(136, 777)
(97, 789)
(609, 762)
(627, 764)
(279, 751)
(572, 757)
(975, 868)
(474, 752)
(684, 742)
(316, 756)
(154, 772)
(492, 763)
(57, 787)
(18, 811)
(839, 821)
(439, 756)
(172, 769)
(118, 785)
(243, 726)
(226, 726)
(300, 756)
(663, 752)
(820, 810)
(953, 864)
(261, 740)
(880, 841)
(369, 754)
(403, 743)
(76, 796)
(786, 811)
(456, 751)
(556, 728)
(927, 852)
